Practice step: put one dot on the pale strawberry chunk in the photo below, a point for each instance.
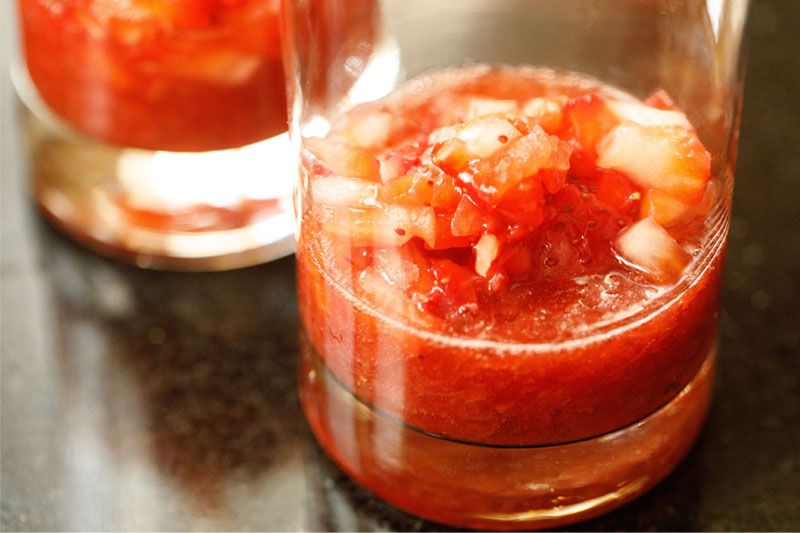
(467, 219)
(384, 295)
(646, 115)
(547, 112)
(476, 139)
(396, 266)
(517, 160)
(345, 192)
(669, 211)
(667, 158)
(660, 100)
(443, 134)
(483, 137)
(478, 107)
(648, 246)
(383, 225)
(486, 250)
(371, 130)
(344, 159)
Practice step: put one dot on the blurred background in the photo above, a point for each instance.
(142, 400)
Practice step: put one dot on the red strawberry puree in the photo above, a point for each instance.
(508, 257)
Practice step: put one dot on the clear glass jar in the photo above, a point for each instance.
(157, 128)
(512, 219)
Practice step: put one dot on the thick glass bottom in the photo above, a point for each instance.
(166, 210)
(492, 487)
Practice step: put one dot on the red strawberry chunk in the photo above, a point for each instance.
(467, 219)
(521, 158)
(587, 120)
(344, 159)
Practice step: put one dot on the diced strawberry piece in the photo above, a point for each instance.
(398, 160)
(478, 138)
(374, 288)
(478, 107)
(442, 134)
(452, 156)
(486, 250)
(344, 159)
(547, 112)
(411, 189)
(668, 158)
(648, 246)
(587, 120)
(484, 136)
(616, 190)
(345, 192)
(517, 260)
(646, 115)
(446, 194)
(396, 265)
(370, 130)
(665, 209)
(517, 160)
(444, 235)
(660, 100)
(457, 282)
(552, 180)
(578, 233)
(668, 211)
(522, 205)
(383, 225)
(468, 218)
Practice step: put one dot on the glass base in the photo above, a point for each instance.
(492, 487)
(164, 210)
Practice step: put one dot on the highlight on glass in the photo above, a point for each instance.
(157, 128)
(512, 219)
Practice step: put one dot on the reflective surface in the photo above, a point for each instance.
(136, 400)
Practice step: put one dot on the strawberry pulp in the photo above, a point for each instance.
(481, 256)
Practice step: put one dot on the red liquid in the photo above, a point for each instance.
(158, 74)
(569, 344)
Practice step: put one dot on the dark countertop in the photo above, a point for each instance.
(139, 400)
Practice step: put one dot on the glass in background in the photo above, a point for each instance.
(156, 128)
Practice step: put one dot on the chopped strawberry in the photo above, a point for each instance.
(345, 192)
(648, 247)
(522, 205)
(383, 225)
(521, 158)
(457, 283)
(476, 139)
(668, 158)
(344, 159)
(669, 212)
(577, 233)
(467, 219)
(486, 250)
(587, 120)
(371, 130)
(444, 234)
(646, 115)
(446, 194)
(478, 107)
(411, 189)
(617, 191)
(660, 100)
(547, 112)
(374, 288)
